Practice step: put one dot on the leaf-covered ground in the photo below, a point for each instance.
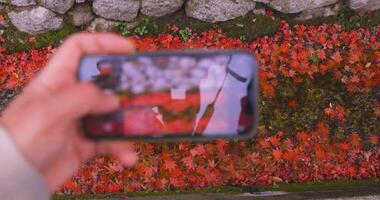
(319, 115)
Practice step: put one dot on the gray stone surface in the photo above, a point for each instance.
(158, 8)
(22, 2)
(218, 10)
(59, 6)
(133, 24)
(81, 14)
(36, 20)
(296, 6)
(122, 10)
(102, 25)
(365, 5)
(318, 12)
(260, 11)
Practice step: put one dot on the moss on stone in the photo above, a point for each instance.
(251, 26)
(55, 37)
(15, 40)
(248, 27)
(346, 17)
(18, 41)
(159, 25)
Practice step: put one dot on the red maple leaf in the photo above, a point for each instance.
(323, 68)
(182, 146)
(294, 64)
(352, 171)
(288, 144)
(220, 143)
(292, 103)
(173, 27)
(264, 143)
(268, 11)
(277, 154)
(32, 39)
(160, 183)
(198, 150)
(374, 139)
(149, 171)
(354, 57)
(113, 187)
(13, 81)
(176, 182)
(274, 141)
(268, 89)
(170, 165)
(302, 136)
(321, 156)
(355, 140)
(376, 110)
(284, 48)
(114, 167)
(337, 57)
(329, 112)
(355, 79)
(289, 155)
(321, 54)
(322, 129)
(291, 73)
(210, 177)
(189, 162)
(340, 113)
(277, 179)
(344, 146)
(300, 29)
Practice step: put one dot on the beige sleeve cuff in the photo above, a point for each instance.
(18, 178)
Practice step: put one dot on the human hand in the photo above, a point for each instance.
(43, 121)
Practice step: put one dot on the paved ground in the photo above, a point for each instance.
(345, 193)
(237, 197)
(350, 193)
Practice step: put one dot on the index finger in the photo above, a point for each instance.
(123, 150)
(62, 67)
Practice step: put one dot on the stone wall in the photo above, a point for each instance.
(40, 16)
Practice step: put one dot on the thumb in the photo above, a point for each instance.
(83, 99)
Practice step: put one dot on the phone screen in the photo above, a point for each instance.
(177, 94)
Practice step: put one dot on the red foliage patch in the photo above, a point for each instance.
(297, 54)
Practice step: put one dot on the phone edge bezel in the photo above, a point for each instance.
(253, 91)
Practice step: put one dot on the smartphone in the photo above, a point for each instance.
(196, 95)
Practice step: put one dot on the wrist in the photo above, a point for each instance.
(18, 177)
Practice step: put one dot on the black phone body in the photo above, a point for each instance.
(175, 95)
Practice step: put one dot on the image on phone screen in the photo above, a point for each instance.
(174, 95)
